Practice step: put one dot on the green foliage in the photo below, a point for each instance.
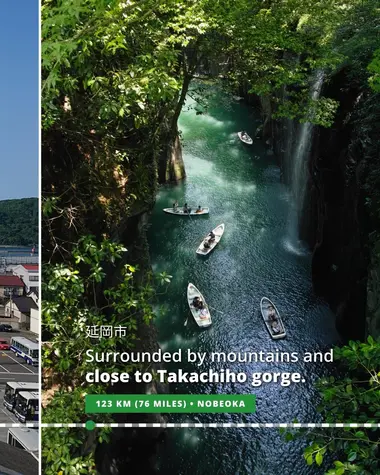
(19, 222)
(276, 46)
(374, 68)
(353, 398)
(62, 449)
(358, 38)
(70, 307)
(301, 107)
(112, 77)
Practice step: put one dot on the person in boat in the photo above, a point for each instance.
(211, 237)
(206, 244)
(276, 327)
(197, 303)
(272, 315)
(199, 209)
(185, 208)
(273, 321)
(175, 205)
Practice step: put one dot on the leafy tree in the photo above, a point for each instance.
(19, 222)
(353, 398)
(113, 74)
(70, 306)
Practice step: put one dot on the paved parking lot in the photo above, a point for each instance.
(13, 368)
(26, 334)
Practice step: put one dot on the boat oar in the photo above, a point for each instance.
(187, 319)
(216, 310)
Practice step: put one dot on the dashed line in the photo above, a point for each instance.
(175, 425)
(219, 425)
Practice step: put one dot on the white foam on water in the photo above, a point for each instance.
(248, 188)
(294, 248)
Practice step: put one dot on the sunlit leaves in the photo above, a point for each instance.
(353, 397)
(374, 69)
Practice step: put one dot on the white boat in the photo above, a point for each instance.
(246, 138)
(202, 317)
(218, 231)
(274, 326)
(193, 211)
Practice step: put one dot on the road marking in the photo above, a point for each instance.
(8, 414)
(1, 366)
(8, 379)
(22, 365)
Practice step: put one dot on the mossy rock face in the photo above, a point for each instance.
(178, 170)
(175, 169)
(373, 296)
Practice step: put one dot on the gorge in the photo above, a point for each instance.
(125, 119)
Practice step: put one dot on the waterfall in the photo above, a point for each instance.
(299, 170)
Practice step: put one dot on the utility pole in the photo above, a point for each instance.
(10, 302)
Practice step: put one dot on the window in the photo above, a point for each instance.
(17, 444)
(33, 278)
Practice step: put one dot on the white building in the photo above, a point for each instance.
(35, 321)
(29, 274)
(20, 308)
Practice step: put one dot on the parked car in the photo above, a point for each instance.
(4, 345)
(4, 327)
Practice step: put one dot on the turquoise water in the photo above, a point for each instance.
(241, 185)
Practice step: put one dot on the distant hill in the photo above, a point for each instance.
(19, 222)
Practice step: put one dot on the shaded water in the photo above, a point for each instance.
(242, 187)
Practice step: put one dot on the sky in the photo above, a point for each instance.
(19, 98)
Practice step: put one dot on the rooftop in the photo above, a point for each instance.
(31, 267)
(10, 281)
(24, 304)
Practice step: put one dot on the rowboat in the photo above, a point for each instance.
(180, 212)
(246, 139)
(274, 326)
(218, 231)
(202, 317)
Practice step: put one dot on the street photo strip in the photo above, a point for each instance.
(19, 240)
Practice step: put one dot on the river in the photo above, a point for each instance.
(242, 187)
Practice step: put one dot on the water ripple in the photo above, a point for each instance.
(252, 260)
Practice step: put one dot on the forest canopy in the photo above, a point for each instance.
(19, 222)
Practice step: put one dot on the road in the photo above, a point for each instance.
(13, 369)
